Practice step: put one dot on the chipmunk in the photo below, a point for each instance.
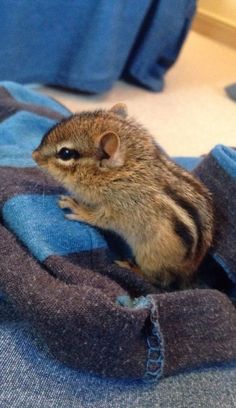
(122, 180)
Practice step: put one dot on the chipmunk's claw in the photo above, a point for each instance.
(67, 202)
(129, 265)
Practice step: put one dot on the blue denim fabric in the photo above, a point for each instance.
(26, 95)
(31, 379)
(15, 150)
(188, 163)
(88, 44)
(226, 158)
(28, 217)
(21, 133)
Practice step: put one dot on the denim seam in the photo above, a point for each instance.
(155, 343)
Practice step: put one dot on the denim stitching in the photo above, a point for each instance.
(155, 343)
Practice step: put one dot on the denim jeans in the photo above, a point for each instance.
(89, 44)
(30, 378)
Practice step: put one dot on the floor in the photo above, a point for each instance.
(193, 113)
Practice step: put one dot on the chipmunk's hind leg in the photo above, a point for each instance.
(128, 264)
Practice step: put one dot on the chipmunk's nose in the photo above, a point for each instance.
(36, 155)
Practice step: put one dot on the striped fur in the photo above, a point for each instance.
(125, 182)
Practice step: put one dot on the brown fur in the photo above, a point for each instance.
(123, 181)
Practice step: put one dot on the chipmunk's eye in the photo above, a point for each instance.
(68, 154)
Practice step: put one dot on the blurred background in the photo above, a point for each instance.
(169, 61)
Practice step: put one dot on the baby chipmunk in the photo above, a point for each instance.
(123, 181)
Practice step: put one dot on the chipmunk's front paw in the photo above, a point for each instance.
(67, 202)
(78, 211)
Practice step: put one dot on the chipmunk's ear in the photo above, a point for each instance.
(110, 152)
(120, 109)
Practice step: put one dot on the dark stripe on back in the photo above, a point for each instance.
(185, 234)
(190, 209)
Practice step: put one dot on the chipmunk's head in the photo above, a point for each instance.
(85, 145)
(90, 150)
